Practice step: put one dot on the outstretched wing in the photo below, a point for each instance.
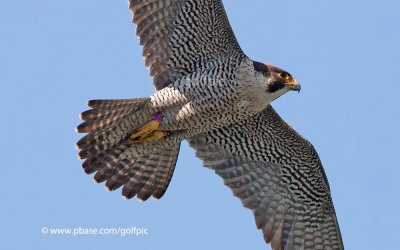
(278, 175)
(180, 36)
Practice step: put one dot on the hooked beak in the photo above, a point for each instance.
(293, 85)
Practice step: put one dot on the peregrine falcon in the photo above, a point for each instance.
(210, 93)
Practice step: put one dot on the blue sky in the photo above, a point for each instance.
(56, 55)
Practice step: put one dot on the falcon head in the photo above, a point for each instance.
(279, 81)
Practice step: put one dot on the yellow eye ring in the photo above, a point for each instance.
(285, 75)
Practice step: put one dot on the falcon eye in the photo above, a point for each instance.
(285, 75)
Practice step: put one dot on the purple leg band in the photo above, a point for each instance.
(158, 117)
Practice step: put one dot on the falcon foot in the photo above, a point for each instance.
(149, 131)
(153, 136)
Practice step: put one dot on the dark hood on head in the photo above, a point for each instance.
(262, 68)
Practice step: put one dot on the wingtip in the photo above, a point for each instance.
(82, 155)
(157, 198)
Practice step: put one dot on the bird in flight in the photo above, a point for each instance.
(210, 93)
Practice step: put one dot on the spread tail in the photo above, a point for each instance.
(107, 152)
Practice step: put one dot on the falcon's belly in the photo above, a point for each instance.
(211, 98)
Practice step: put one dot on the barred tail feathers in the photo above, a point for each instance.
(109, 122)
(106, 152)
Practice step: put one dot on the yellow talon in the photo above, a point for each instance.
(154, 136)
(149, 127)
(149, 131)
(146, 130)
